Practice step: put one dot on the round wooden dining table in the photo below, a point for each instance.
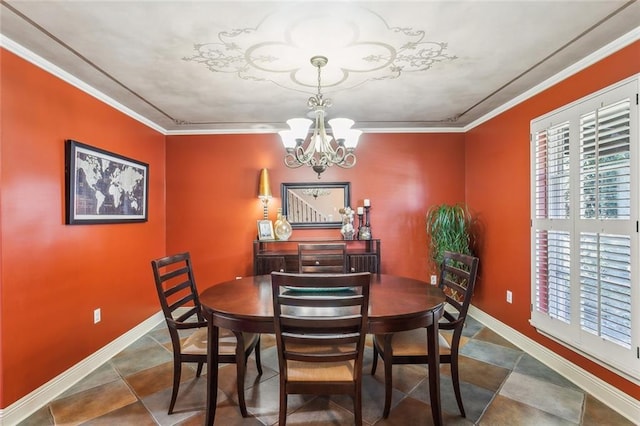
(395, 304)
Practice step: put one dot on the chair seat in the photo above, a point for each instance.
(320, 372)
(414, 343)
(196, 343)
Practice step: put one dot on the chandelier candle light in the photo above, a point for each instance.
(320, 150)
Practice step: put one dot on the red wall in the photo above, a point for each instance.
(54, 275)
(213, 206)
(497, 186)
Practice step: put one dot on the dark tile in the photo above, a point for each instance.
(191, 400)
(597, 414)
(491, 353)
(404, 377)
(532, 367)
(321, 411)
(92, 403)
(141, 355)
(263, 401)
(106, 373)
(157, 378)
(557, 400)
(474, 398)
(135, 414)
(506, 412)
(411, 411)
(488, 335)
(479, 373)
(471, 327)
(372, 398)
(160, 334)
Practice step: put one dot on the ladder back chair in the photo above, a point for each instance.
(329, 258)
(178, 294)
(320, 326)
(458, 273)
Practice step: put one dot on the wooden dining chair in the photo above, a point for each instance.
(325, 258)
(180, 303)
(458, 273)
(320, 327)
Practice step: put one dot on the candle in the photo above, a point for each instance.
(367, 202)
(360, 210)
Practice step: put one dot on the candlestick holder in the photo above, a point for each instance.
(364, 232)
(360, 224)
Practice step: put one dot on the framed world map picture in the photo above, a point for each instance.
(103, 187)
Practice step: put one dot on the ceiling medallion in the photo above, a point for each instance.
(365, 46)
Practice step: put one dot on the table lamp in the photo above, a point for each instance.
(264, 192)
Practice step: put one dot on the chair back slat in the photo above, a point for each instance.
(458, 274)
(176, 288)
(319, 301)
(320, 318)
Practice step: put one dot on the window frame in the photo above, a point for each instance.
(624, 361)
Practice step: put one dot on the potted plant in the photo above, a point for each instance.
(448, 227)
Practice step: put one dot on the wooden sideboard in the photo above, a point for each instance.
(276, 255)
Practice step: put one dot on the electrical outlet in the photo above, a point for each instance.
(96, 316)
(509, 297)
(434, 279)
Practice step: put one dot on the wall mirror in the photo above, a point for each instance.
(314, 205)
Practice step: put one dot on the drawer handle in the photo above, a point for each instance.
(317, 262)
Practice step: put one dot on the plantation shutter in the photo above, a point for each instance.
(605, 195)
(585, 255)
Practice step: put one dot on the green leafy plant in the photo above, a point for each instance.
(448, 227)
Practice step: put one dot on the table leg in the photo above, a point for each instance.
(212, 371)
(434, 371)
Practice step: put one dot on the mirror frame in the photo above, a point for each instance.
(284, 187)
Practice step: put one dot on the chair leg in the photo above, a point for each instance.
(258, 360)
(282, 415)
(199, 370)
(177, 372)
(357, 407)
(387, 356)
(240, 379)
(456, 383)
(374, 365)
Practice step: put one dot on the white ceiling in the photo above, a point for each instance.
(238, 66)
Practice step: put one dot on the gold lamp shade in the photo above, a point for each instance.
(264, 191)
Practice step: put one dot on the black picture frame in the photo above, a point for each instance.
(300, 217)
(104, 187)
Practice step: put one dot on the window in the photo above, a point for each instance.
(585, 248)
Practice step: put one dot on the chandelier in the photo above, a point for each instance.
(319, 150)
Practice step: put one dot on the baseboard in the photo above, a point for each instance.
(603, 391)
(30, 403)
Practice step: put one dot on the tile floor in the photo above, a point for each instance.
(501, 386)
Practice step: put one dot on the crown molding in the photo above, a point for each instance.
(56, 71)
(585, 62)
(596, 56)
